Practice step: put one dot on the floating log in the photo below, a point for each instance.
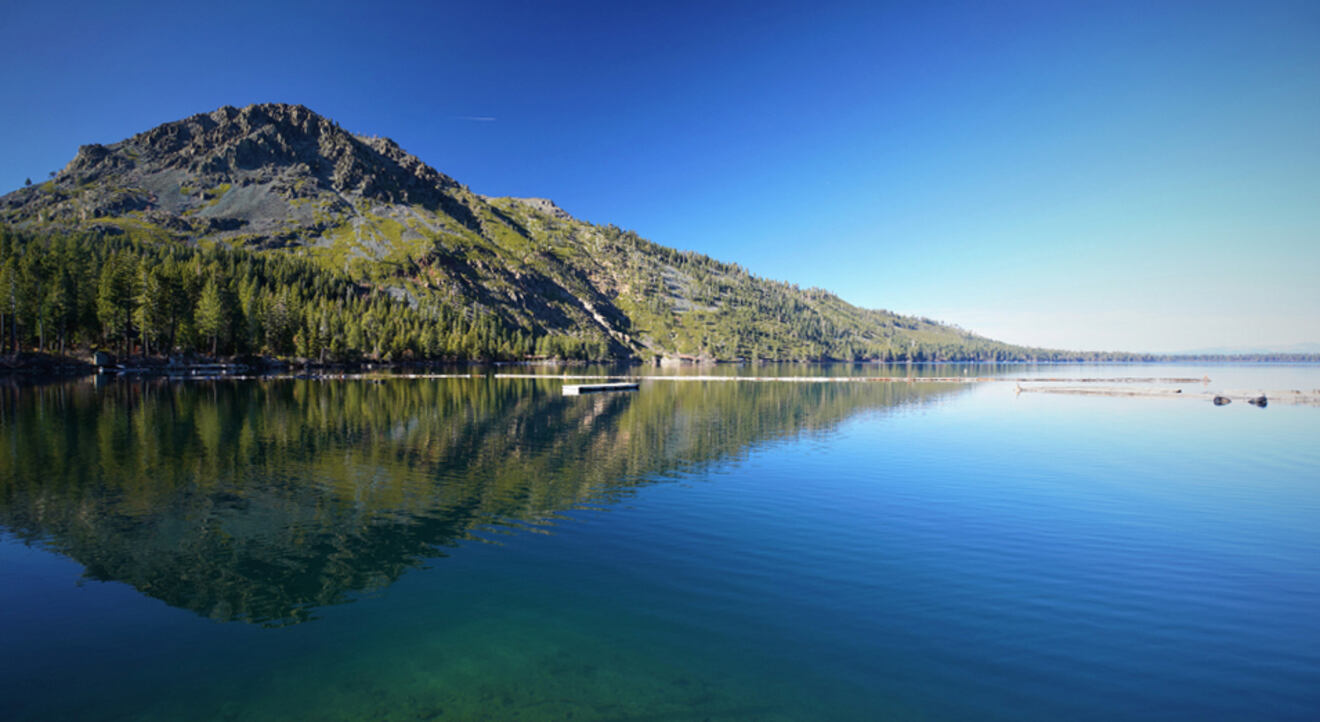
(578, 389)
(1221, 398)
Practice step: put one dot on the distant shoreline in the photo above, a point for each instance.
(55, 365)
(42, 368)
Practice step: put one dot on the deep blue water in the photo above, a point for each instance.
(482, 549)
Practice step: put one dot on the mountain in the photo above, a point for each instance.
(1297, 349)
(273, 184)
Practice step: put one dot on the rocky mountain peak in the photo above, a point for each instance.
(260, 141)
(239, 170)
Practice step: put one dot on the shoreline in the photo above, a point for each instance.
(1127, 387)
(34, 364)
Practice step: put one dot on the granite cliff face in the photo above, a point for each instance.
(277, 178)
(267, 173)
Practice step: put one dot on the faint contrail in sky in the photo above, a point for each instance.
(478, 118)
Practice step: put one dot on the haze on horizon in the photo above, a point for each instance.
(1118, 176)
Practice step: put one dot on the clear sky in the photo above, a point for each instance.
(1093, 175)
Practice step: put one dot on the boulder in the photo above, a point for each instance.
(1222, 401)
(1260, 401)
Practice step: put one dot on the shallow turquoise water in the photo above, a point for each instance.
(482, 549)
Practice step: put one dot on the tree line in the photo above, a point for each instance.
(86, 291)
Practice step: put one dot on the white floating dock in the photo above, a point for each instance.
(577, 389)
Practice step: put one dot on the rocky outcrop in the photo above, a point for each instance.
(181, 169)
(544, 205)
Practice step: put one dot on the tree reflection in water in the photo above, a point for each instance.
(259, 501)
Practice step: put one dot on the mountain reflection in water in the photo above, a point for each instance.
(259, 501)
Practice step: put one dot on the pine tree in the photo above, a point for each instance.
(31, 293)
(61, 305)
(249, 299)
(114, 300)
(210, 316)
(153, 308)
(9, 301)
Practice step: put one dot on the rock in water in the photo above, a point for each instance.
(1260, 401)
(1222, 401)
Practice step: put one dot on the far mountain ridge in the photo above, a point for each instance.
(1297, 349)
(282, 182)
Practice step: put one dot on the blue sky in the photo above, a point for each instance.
(1107, 175)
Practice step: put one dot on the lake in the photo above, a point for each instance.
(488, 549)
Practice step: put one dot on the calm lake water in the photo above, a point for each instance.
(468, 549)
